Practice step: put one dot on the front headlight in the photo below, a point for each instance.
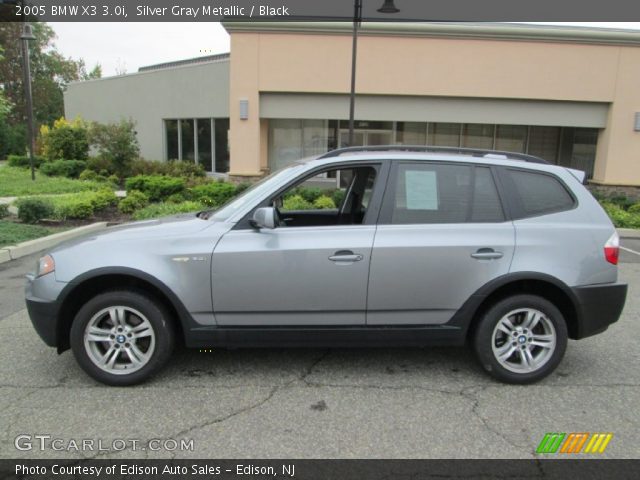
(46, 265)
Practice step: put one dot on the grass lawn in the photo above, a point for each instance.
(12, 233)
(15, 182)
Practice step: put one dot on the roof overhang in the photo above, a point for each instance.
(493, 31)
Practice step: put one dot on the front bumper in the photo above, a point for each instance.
(42, 296)
(598, 307)
(44, 316)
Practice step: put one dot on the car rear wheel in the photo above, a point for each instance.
(121, 337)
(521, 339)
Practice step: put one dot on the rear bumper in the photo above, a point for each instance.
(44, 316)
(599, 306)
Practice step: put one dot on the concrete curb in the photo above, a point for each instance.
(13, 252)
(628, 232)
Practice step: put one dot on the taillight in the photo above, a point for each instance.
(612, 248)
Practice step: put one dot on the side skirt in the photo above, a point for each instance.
(325, 337)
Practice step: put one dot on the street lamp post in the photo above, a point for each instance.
(357, 19)
(387, 7)
(27, 35)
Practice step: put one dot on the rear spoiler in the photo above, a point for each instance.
(579, 175)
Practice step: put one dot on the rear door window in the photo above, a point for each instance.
(444, 193)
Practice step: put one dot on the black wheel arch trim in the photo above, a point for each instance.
(465, 316)
(185, 318)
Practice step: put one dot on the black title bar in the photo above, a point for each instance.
(317, 10)
(255, 469)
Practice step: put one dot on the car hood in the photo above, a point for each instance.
(183, 224)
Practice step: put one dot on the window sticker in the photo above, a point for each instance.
(421, 190)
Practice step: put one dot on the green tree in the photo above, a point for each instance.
(11, 139)
(117, 143)
(51, 72)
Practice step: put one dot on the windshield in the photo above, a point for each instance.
(255, 192)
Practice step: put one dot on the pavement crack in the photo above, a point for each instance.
(471, 394)
(309, 370)
(214, 421)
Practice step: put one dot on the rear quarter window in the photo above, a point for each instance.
(538, 193)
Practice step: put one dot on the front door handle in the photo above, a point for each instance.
(487, 254)
(345, 256)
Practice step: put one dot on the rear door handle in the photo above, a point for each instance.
(345, 256)
(486, 254)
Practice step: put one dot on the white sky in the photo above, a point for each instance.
(121, 47)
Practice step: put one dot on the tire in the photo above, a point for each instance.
(128, 333)
(528, 355)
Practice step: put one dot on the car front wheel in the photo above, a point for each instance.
(121, 337)
(521, 339)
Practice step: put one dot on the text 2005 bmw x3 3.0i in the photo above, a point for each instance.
(418, 246)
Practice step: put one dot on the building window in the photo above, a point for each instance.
(411, 133)
(188, 144)
(543, 142)
(171, 127)
(444, 134)
(511, 138)
(203, 129)
(222, 144)
(584, 149)
(200, 140)
(292, 139)
(476, 135)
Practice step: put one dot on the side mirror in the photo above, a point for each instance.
(264, 217)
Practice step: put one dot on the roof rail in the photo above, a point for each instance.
(476, 152)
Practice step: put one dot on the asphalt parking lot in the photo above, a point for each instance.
(408, 403)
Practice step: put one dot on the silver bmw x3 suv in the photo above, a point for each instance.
(419, 246)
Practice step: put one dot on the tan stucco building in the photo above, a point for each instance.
(570, 95)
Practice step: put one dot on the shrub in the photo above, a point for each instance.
(4, 210)
(117, 143)
(99, 164)
(324, 203)
(74, 208)
(172, 168)
(620, 200)
(176, 198)
(163, 209)
(63, 168)
(241, 187)
(620, 217)
(134, 200)
(23, 161)
(81, 205)
(157, 187)
(182, 168)
(634, 209)
(213, 194)
(88, 175)
(296, 202)
(13, 138)
(310, 194)
(140, 166)
(33, 209)
(65, 140)
(103, 199)
(338, 196)
(114, 180)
